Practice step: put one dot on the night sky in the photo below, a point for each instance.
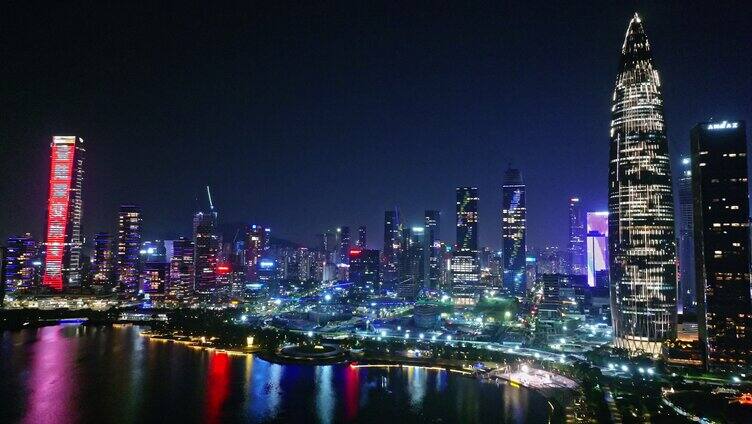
(306, 117)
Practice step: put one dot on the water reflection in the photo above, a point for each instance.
(84, 374)
(324, 394)
(51, 382)
(352, 392)
(416, 381)
(216, 386)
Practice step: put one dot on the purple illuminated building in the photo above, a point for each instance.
(597, 249)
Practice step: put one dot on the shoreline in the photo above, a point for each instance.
(557, 409)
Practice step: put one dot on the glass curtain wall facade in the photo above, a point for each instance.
(513, 232)
(640, 204)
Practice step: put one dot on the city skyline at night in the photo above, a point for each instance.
(491, 130)
(374, 212)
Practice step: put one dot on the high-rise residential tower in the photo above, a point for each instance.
(640, 204)
(63, 237)
(102, 262)
(577, 248)
(181, 278)
(686, 299)
(513, 231)
(722, 243)
(18, 271)
(128, 246)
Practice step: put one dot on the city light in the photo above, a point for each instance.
(594, 314)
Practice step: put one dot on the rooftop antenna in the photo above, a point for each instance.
(208, 193)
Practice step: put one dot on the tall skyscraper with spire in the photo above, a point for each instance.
(206, 246)
(513, 231)
(640, 204)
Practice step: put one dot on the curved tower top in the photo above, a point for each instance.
(641, 206)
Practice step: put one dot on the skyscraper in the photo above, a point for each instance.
(392, 244)
(465, 266)
(128, 246)
(18, 271)
(256, 244)
(101, 261)
(432, 222)
(597, 249)
(181, 279)
(640, 204)
(577, 248)
(65, 208)
(722, 243)
(513, 231)
(362, 237)
(344, 245)
(206, 244)
(364, 268)
(416, 256)
(686, 300)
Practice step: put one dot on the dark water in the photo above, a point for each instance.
(67, 374)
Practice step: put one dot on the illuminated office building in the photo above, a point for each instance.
(465, 266)
(63, 237)
(577, 248)
(417, 248)
(393, 245)
(206, 245)
(513, 231)
(256, 245)
(128, 247)
(102, 266)
(364, 268)
(344, 245)
(18, 271)
(181, 275)
(640, 204)
(362, 241)
(432, 222)
(154, 277)
(686, 299)
(552, 260)
(597, 249)
(722, 241)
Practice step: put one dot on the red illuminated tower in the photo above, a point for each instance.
(63, 231)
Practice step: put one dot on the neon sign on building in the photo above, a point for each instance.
(59, 208)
